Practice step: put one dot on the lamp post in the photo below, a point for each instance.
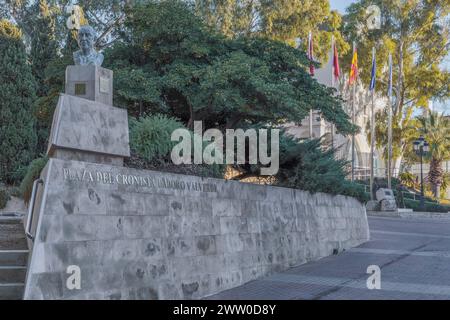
(421, 148)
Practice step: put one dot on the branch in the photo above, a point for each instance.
(110, 28)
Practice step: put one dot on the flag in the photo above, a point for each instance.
(311, 54)
(354, 68)
(374, 71)
(336, 69)
(390, 77)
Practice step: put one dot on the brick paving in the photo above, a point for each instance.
(413, 254)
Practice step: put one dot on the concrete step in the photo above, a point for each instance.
(13, 258)
(11, 291)
(12, 234)
(12, 274)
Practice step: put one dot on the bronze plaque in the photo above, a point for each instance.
(80, 89)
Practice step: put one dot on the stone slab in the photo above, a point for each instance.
(89, 131)
(138, 234)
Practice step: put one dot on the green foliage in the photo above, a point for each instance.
(17, 95)
(43, 44)
(4, 197)
(280, 20)
(435, 128)
(416, 33)
(408, 179)
(429, 206)
(172, 64)
(308, 166)
(33, 173)
(150, 137)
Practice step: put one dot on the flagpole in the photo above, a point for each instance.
(372, 139)
(312, 74)
(353, 122)
(332, 85)
(389, 169)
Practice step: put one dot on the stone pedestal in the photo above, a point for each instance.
(90, 82)
(86, 127)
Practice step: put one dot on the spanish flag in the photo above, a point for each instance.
(354, 68)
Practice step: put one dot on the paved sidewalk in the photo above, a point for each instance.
(413, 254)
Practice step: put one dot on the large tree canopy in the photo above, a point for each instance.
(172, 63)
(417, 34)
(283, 20)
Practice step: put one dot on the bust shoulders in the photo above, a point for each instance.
(95, 58)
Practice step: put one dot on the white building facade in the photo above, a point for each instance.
(321, 128)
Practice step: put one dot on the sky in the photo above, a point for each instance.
(341, 5)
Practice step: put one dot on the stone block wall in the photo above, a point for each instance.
(139, 234)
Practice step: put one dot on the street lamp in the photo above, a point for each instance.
(421, 148)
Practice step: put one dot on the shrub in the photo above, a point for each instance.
(429, 206)
(306, 165)
(33, 173)
(150, 136)
(408, 179)
(355, 190)
(4, 197)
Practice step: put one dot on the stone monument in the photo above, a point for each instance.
(86, 126)
(99, 230)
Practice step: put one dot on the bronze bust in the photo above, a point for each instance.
(87, 55)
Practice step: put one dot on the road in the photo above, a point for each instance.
(413, 255)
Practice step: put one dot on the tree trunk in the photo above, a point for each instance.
(436, 176)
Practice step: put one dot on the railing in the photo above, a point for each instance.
(31, 209)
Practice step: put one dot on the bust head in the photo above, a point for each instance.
(86, 38)
(87, 55)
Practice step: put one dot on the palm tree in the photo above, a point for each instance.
(436, 130)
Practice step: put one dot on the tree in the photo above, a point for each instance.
(200, 75)
(50, 66)
(436, 130)
(43, 44)
(416, 33)
(17, 94)
(282, 20)
(106, 16)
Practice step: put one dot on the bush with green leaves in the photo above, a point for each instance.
(151, 146)
(309, 166)
(150, 137)
(33, 172)
(4, 197)
(428, 206)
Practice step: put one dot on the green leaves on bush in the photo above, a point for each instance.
(33, 173)
(307, 165)
(4, 197)
(429, 206)
(150, 136)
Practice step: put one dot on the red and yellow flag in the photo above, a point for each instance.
(354, 68)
